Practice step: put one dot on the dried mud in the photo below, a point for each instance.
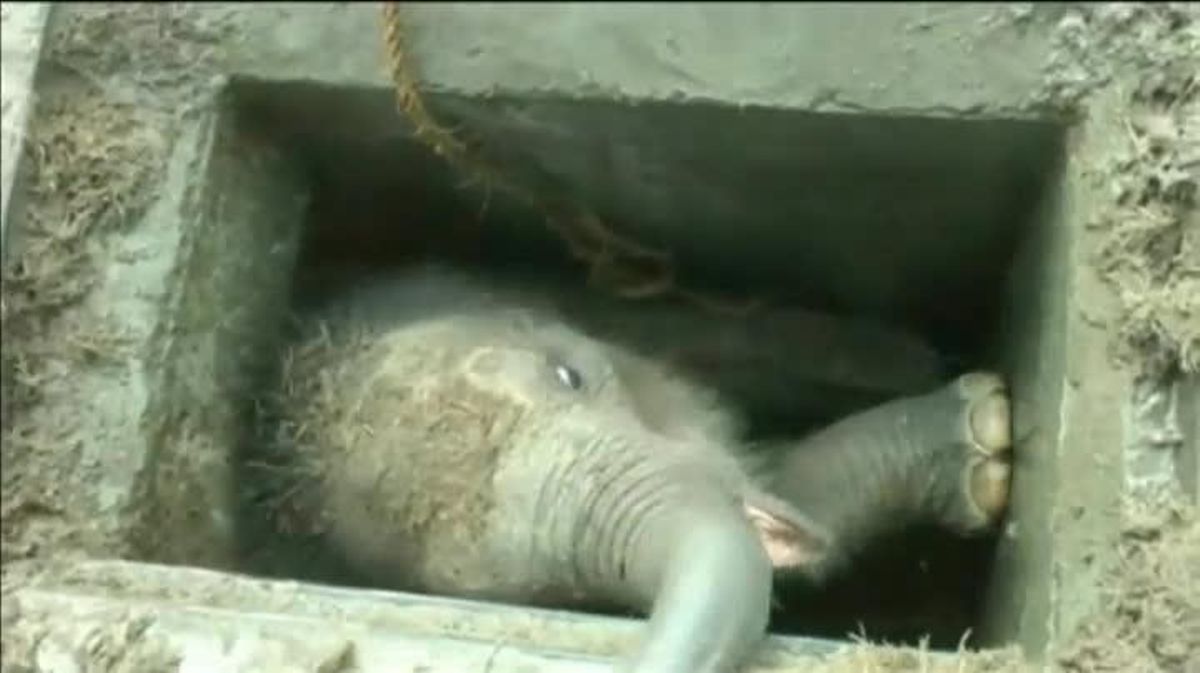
(98, 144)
(96, 151)
(1150, 621)
(1149, 56)
(120, 647)
(94, 166)
(351, 401)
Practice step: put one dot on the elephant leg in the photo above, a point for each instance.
(941, 457)
(753, 358)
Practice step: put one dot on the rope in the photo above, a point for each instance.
(623, 266)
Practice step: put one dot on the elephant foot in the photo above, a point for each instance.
(986, 439)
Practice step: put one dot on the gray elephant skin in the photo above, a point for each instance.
(464, 437)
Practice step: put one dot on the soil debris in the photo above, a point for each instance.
(1150, 249)
(94, 165)
(157, 55)
(1150, 622)
(122, 646)
(98, 147)
(864, 657)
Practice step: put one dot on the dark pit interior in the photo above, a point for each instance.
(911, 221)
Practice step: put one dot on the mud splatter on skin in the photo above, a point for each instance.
(338, 390)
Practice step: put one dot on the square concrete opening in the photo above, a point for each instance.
(936, 226)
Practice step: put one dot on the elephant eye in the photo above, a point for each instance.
(568, 376)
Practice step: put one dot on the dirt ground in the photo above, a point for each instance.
(1150, 253)
(121, 78)
(95, 154)
(83, 187)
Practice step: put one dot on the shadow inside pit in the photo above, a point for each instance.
(921, 220)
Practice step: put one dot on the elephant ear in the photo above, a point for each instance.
(792, 540)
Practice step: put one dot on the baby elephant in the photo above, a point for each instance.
(466, 441)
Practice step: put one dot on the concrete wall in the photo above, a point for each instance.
(964, 59)
(1189, 447)
(227, 300)
(218, 243)
(23, 25)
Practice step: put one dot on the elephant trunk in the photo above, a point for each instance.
(665, 529)
(712, 598)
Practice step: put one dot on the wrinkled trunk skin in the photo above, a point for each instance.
(652, 524)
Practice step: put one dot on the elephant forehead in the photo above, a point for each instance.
(520, 374)
(410, 388)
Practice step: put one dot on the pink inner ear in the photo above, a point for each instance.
(790, 539)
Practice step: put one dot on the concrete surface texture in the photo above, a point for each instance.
(1026, 164)
(22, 25)
(901, 59)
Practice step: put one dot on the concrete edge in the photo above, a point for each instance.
(637, 56)
(201, 614)
(22, 32)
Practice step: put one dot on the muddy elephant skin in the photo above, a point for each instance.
(467, 440)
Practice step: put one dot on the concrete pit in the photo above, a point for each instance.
(927, 225)
(949, 172)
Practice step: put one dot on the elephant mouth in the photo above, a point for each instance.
(789, 546)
